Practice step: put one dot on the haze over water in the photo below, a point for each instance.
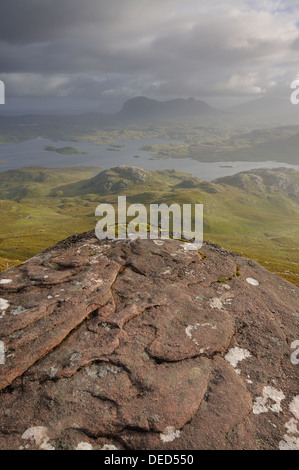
(33, 153)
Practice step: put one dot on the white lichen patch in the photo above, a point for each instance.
(291, 440)
(191, 328)
(289, 443)
(84, 446)
(2, 353)
(294, 407)
(4, 305)
(18, 311)
(291, 426)
(39, 435)
(226, 286)
(170, 434)
(167, 271)
(252, 281)
(264, 403)
(295, 354)
(95, 257)
(81, 248)
(92, 373)
(5, 281)
(109, 447)
(102, 370)
(209, 325)
(216, 304)
(97, 281)
(75, 359)
(236, 355)
(53, 372)
(158, 242)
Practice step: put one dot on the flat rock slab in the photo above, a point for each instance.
(143, 345)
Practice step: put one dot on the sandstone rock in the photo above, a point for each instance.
(141, 345)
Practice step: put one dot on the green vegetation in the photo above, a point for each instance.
(65, 150)
(115, 148)
(39, 207)
(228, 145)
(254, 214)
(30, 223)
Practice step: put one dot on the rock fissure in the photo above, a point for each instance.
(138, 345)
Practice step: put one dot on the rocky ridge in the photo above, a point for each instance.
(281, 181)
(142, 345)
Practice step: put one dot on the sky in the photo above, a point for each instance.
(107, 51)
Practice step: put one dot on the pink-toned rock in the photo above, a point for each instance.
(140, 345)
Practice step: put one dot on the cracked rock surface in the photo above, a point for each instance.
(143, 345)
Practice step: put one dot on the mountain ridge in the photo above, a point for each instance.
(148, 109)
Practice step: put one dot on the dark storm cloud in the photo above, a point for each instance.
(27, 21)
(160, 47)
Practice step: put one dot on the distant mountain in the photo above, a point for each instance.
(137, 111)
(145, 109)
(270, 109)
(142, 111)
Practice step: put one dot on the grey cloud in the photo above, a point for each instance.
(158, 47)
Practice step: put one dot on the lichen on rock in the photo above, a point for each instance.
(134, 345)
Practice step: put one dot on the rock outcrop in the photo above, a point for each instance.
(281, 181)
(143, 345)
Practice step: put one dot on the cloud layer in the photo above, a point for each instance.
(122, 48)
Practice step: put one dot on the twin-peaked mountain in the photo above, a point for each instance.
(150, 110)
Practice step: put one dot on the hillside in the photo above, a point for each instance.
(275, 181)
(277, 149)
(36, 181)
(247, 213)
(142, 345)
(268, 109)
(277, 144)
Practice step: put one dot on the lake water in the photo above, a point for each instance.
(32, 153)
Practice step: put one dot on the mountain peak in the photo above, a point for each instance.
(142, 345)
(142, 107)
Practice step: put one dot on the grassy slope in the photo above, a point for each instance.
(40, 207)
